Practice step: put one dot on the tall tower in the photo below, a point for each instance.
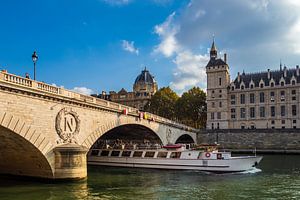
(218, 80)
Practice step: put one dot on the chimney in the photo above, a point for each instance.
(284, 72)
(239, 77)
(225, 58)
(297, 70)
(269, 74)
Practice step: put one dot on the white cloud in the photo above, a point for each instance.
(167, 32)
(190, 70)
(255, 33)
(117, 2)
(129, 46)
(83, 90)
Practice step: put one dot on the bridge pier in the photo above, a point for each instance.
(70, 162)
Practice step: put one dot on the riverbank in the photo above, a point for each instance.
(270, 141)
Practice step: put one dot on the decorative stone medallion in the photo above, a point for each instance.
(67, 125)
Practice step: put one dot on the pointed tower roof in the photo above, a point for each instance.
(213, 50)
(213, 46)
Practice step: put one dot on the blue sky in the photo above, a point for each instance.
(96, 45)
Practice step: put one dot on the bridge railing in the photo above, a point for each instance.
(51, 89)
(16, 79)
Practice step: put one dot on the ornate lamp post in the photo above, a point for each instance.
(34, 60)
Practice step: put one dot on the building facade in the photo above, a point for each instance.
(263, 100)
(144, 88)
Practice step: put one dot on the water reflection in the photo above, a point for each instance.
(279, 179)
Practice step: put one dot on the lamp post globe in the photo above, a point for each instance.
(34, 60)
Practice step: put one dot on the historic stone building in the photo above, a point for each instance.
(143, 88)
(263, 100)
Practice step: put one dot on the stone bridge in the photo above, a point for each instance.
(46, 131)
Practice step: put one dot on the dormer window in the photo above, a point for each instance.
(232, 88)
(272, 84)
(251, 86)
(261, 85)
(282, 83)
(293, 82)
(242, 87)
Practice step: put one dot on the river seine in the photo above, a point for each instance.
(279, 178)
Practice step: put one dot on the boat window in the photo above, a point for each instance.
(126, 153)
(94, 152)
(175, 155)
(137, 154)
(162, 154)
(115, 153)
(149, 154)
(104, 153)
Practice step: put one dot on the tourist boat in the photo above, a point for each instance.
(177, 156)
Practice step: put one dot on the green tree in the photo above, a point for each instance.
(163, 103)
(191, 108)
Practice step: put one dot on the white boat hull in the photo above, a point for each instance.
(233, 164)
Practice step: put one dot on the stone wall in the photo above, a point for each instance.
(265, 140)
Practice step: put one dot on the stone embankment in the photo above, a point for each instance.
(263, 140)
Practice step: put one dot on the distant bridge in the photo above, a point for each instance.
(46, 131)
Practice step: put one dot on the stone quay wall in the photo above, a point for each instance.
(263, 140)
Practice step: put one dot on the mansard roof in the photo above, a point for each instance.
(215, 62)
(276, 75)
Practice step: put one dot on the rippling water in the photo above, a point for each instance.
(279, 179)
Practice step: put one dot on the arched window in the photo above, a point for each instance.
(272, 84)
(242, 87)
(282, 83)
(293, 82)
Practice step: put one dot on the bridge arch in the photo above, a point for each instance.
(185, 139)
(131, 133)
(21, 156)
(108, 128)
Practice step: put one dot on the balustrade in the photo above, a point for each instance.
(17, 80)
(48, 88)
(6, 77)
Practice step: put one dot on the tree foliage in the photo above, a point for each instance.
(189, 109)
(163, 103)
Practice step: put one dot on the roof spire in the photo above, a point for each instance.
(213, 46)
(213, 49)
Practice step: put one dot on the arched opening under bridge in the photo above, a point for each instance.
(19, 157)
(185, 139)
(128, 135)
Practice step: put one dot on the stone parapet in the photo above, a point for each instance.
(35, 86)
